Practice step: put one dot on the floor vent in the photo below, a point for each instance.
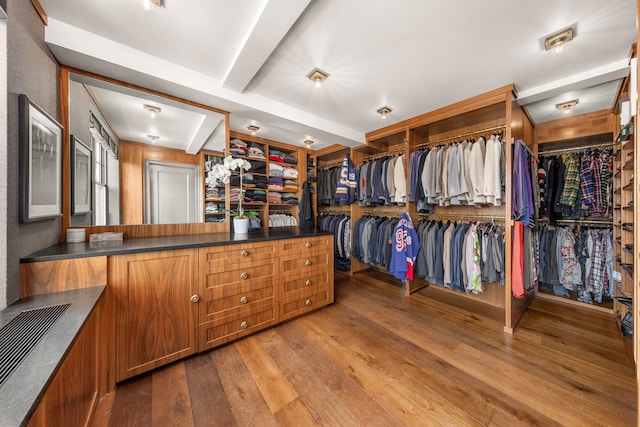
(22, 334)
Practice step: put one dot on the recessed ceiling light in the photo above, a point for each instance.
(317, 76)
(309, 142)
(153, 138)
(253, 129)
(152, 109)
(556, 41)
(150, 4)
(383, 111)
(567, 106)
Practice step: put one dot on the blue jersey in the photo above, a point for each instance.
(405, 249)
(346, 189)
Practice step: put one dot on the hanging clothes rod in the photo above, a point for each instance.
(383, 213)
(329, 164)
(582, 222)
(334, 212)
(467, 216)
(381, 155)
(574, 149)
(451, 138)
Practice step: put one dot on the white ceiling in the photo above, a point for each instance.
(251, 57)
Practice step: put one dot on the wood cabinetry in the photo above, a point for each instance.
(306, 266)
(73, 392)
(156, 317)
(237, 291)
(278, 200)
(171, 304)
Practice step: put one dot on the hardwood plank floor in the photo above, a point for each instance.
(378, 358)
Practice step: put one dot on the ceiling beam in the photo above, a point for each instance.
(271, 24)
(204, 132)
(589, 78)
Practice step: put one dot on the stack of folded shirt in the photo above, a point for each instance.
(311, 176)
(238, 147)
(249, 196)
(255, 150)
(276, 169)
(276, 184)
(247, 179)
(259, 196)
(213, 208)
(234, 194)
(214, 193)
(289, 158)
(310, 163)
(290, 198)
(274, 197)
(276, 156)
(258, 166)
(290, 173)
(260, 181)
(290, 186)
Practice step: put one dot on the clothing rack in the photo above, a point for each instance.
(582, 222)
(575, 149)
(329, 164)
(381, 155)
(451, 138)
(334, 212)
(470, 217)
(395, 214)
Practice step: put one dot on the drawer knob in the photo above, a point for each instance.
(244, 300)
(244, 252)
(308, 244)
(244, 276)
(195, 298)
(308, 263)
(308, 282)
(244, 325)
(308, 302)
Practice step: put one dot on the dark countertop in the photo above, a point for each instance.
(23, 390)
(147, 244)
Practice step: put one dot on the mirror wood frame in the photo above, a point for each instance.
(137, 230)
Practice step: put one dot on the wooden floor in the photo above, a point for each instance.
(377, 358)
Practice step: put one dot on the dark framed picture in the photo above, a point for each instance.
(81, 177)
(40, 163)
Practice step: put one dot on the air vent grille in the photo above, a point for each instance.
(22, 334)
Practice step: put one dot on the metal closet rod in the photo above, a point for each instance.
(608, 223)
(573, 149)
(383, 213)
(381, 155)
(468, 216)
(333, 212)
(329, 165)
(450, 138)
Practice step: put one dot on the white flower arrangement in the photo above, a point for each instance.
(221, 172)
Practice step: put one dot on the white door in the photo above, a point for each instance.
(172, 193)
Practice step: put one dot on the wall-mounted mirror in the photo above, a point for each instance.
(129, 129)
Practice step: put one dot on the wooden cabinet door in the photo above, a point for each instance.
(156, 319)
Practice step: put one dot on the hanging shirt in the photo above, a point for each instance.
(347, 182)
(405, 248)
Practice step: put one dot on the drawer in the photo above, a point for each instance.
(295, 305)
(303, 246)
(237, 325)
(212, 277)
(222, 300)
(231, 257)
(311, 280)
(304, 262)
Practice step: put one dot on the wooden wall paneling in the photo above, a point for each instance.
(599, 122)
(131, 165)
(37, 278)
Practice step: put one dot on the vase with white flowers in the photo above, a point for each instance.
(220, 173)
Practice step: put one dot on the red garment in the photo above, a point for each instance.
(517, 261)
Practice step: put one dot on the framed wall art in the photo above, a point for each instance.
(81, 177)
(40, 163)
